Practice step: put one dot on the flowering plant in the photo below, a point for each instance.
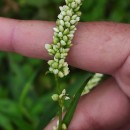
(62, 41)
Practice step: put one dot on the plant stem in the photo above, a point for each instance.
(58, 89)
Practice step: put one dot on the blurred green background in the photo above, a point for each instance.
(25, 90)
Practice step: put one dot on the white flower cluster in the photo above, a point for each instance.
(92, 83)
(63, 35)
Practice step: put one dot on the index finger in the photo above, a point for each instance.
(97, 46)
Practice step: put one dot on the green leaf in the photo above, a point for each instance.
(26, 88)
(5, 122)
(69, 114)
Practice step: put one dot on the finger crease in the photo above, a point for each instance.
(12, 38)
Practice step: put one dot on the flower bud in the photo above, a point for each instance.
(79, 13)
(69, 12)
(73, 5)
(55, 65)
(61, 22)
(50, 69)
(50, 62)
(64, 127)
(61, 61)
(74, 17)
(67, 24)
(60, 34)
(60, 16)
(57, 55)
(63, 13)
(65, 38)
(73, 21)
(61, 29)
(55, 71)
(78, 1)
(67, 18)
(47, 46)
(66, 31)
(56, 29)
(55, 97)
(63, 43)
(60, 74)
(67, 98)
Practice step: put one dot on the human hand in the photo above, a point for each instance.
(98, 47)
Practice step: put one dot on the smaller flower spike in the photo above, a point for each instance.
(63, 35)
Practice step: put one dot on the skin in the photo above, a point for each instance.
(98, 47)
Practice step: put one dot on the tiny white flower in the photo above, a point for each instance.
(66, 50)
(47, 46)
(55, 59)
(60, 34)
(71, 35)
(65, 54)
(73, 21)
(64, 127)
(58, 55)
(61, 8)
(56, 29)
(76, 9)
(61, 61)
(66, 31)
(55, 65)
(64, 92)
(63, 13)
(60, 66)
(67, 24)
(50, 50)
(73, 5)
(78, 1)
(67, 18)
(50, 62)
(62, 56)
(65, 64)
(66, 71)
(55, 47)
(60, 16)
(55, 97)
(65, 7)
(55, 34)
(74, 17)
(67, 98)
(72, 27)
(63, 42)
(79, 13)
(60, 74)
(62, 22)
(55, 71)
(50, 69)
(78, 19)
(72, 32)
(61, 28)
(65, 38)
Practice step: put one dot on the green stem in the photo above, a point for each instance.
(58, 89)
(60, 116)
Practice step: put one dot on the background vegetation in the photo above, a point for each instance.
(25, 91)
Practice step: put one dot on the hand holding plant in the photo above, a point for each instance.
(98, 47)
